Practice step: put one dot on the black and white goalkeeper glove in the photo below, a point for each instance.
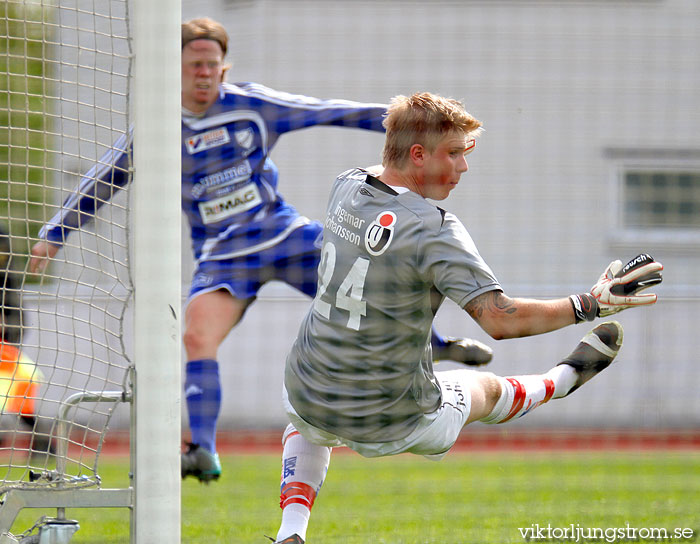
(619, 288)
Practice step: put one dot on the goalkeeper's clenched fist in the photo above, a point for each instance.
(618, 288)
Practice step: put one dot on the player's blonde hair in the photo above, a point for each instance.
(205, 29)
(425, 119)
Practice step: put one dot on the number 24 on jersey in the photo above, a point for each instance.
(349, 294)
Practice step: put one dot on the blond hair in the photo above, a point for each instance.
(425, 119)
(205, 29)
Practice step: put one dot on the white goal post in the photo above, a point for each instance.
(157, 279)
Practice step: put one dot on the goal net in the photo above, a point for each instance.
(69, 85)
(67, 77)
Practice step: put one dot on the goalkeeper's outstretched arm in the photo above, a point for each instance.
(617, 289)
(97, 186)
(503, 317)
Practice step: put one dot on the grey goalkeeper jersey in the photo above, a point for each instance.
(361, 367)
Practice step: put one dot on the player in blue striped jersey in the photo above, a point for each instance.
(243, 232)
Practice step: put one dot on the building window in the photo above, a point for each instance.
(662, 199)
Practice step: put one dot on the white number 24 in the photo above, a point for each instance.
(349, 295)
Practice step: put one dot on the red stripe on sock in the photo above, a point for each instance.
(297, 492)
(549, 390)
(295, 500)
(290, 435)
(518, 399)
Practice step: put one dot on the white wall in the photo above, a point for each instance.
(567, 91)
(557, 85)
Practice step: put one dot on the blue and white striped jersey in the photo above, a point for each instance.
(229, 183)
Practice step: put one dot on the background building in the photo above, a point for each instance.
(591, 152)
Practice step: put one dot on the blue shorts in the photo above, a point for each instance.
(293, 260)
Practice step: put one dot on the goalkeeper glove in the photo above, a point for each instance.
(618, 288)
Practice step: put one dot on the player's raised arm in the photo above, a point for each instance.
(110, 173)
(504, 317)
(285, 112)
(617, 289)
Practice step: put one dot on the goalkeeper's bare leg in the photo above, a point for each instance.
(497, 399)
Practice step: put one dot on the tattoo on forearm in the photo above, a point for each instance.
(494, 302)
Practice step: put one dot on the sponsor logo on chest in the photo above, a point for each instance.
(217, 180)
(239, 201)
(207, 140)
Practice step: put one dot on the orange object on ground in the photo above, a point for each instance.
(19, 381)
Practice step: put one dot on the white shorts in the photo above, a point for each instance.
(435, 434)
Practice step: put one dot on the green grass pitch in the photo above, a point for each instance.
(466, 498)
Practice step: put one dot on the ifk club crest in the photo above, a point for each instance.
(245, 138)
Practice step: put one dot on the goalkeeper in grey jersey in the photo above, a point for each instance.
(360, 373)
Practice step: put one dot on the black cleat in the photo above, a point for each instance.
(294, 539)
(200, 463)
(595, 352)
(463, 350)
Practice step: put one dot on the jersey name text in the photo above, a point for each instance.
(342, 216)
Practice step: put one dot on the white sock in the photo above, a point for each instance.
(304, 467)
(521, 394)
(295, 519)
(564, 378)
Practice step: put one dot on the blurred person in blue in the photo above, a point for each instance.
(243, 232)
